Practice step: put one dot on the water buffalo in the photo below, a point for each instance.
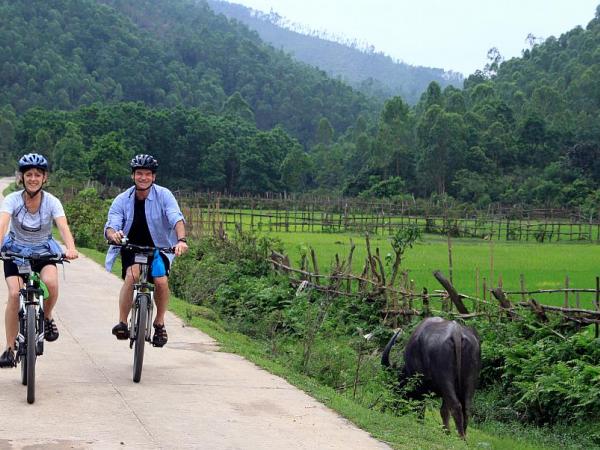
(447, 357)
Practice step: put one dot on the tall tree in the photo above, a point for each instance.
(442, 139)
(70, 154)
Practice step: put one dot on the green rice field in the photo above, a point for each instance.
(544, 266)
(505, 257)
(294, 221)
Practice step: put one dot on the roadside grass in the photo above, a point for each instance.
(404, 432)
(544, 266)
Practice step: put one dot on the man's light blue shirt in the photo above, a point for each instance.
(162, 213)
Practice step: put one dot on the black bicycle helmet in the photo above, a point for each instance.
(32, 161)
(144, 161)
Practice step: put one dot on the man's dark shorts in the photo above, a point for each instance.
(11, 269)
(127, 260)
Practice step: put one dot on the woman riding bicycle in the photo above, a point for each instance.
(30, 213)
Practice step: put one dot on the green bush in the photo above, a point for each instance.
(87, 214)
(541, 376)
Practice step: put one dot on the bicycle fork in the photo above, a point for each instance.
(133, 317)
(39, 312)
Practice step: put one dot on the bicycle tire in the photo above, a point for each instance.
(140, 335)
(24, 371)
(31, 353)
(23, 356)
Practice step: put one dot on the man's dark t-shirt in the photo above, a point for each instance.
(139, 233)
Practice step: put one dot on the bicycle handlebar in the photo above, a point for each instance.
(34, 257)
(144, 248)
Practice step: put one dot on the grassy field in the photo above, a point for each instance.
(544, 266)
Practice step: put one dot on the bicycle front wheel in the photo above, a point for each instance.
(140, 324)
(24, 370)
(22, 349)
(30, 345)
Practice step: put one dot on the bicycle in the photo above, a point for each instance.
(142, 309)
(30, 339)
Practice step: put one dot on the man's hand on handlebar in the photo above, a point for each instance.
(180, 248)
(116, 237)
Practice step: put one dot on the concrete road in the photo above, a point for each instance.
(191, 395)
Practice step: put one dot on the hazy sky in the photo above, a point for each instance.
(451, 34)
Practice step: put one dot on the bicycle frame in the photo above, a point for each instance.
(30, 295)
(141, 287)
(30, 337)
(142, 307)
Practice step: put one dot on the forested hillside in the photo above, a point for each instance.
(61, 54)
(373, 73)
(524, 130)
(210, 95)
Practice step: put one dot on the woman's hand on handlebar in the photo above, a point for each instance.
(71, 253)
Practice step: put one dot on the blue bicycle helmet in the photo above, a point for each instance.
(144, 161)
(32, 161)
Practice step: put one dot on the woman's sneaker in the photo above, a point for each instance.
(7, 359)
(50, 330)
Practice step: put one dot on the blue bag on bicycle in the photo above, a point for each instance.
(158, 265)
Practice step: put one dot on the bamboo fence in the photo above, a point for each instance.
(205, 213)
(400, 300)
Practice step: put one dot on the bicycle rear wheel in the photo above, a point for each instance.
(140, 324)
(30, 345)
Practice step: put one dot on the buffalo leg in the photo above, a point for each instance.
(421, 412)
(457, 413)
(451, 404)
(445, 413)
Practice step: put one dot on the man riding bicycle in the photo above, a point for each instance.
(30, 213)
(148, 215)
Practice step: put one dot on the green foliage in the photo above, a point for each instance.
(87, 214)
(108, 158)
(63, 54)
(390, 188)
(529, 373)
(521, 131)
(69, 153)
(194, 150)
(539, 376)
(404, 238)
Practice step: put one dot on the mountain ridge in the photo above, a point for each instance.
(373, 73)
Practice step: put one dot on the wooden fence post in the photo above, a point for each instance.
(315, 266)
(454, 295)
(504, 302)
(566, 305)
(597, 302)
(425, 298)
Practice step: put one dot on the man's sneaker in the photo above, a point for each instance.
(121, 331)
(50, 330)
(8, 358)
(160, 337)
